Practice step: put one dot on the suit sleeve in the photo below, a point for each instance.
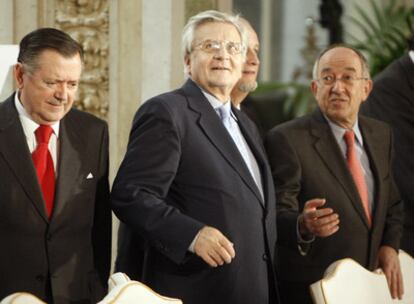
(391, 103)
(102, 225)
(144, 186)
(286, 171)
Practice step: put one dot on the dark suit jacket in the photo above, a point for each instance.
(71, 251)
(307, 163)
(392, 101)
(248, 107)
(182, 171)
(130, 253)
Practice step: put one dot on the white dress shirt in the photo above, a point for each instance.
(29, 128)
(253, 168)
(241, 143)
(338, 133)
(411, 54)
(362, 155)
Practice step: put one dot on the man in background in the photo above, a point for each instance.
(392, 101)
(195, 183)
(55, 219)
(248, 81)
(335, 194)
(250, 70)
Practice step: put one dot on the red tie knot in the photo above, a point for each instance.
(43, 133)
(349, 137)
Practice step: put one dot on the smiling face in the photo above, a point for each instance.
(215, 72)
(47, 93)
(340, 101)
(247, 82)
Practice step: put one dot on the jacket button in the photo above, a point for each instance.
(40, 278)
(265, 257)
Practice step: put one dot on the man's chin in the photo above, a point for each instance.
(247, 87)
(52, 117)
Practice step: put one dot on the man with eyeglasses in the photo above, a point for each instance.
(336, 196)
(195, 183)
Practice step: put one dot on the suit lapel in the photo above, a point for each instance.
(14, 150)
(373, 144)
(326, 146)
(257, 151)
(215, 131)
(69, 164)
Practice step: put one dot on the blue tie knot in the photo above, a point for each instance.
(224, 112)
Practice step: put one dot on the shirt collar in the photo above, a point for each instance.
(216, 103)
(339, 132)
(411, 54)
(29, 125)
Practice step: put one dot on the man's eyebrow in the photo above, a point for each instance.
(350, 69)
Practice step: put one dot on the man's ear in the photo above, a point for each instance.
(187, 63)
(367, 89)
(18, 75)
(314, 88)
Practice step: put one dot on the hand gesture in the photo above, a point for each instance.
(213, 247)
(321, 222)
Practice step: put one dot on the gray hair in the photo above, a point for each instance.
(363, 60)
(205, 17)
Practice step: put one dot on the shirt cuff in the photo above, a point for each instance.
(191, 248)
(303, 239)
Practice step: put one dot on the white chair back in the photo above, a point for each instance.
(21, 298)
(125, 291)
(345, 281)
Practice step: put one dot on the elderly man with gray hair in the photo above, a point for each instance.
(195, 183)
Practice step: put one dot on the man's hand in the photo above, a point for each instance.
(213, 247)
(319, 222)
(390, 264)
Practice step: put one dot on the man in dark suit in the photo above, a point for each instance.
(392, 101)
(203, 204)
(55, 219)
(336, 197)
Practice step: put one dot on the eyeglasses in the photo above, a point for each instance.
(345, 79)
(212, 46)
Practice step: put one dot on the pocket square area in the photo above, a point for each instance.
(90, 176)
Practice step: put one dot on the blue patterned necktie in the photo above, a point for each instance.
(235, 133)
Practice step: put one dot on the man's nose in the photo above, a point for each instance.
(221, 53)
(61, 92)
(338, 85)
(252, 57)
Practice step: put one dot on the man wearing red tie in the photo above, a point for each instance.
(55, 221)
(336, 196)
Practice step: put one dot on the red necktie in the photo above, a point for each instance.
(356, 171)
(44, 166)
